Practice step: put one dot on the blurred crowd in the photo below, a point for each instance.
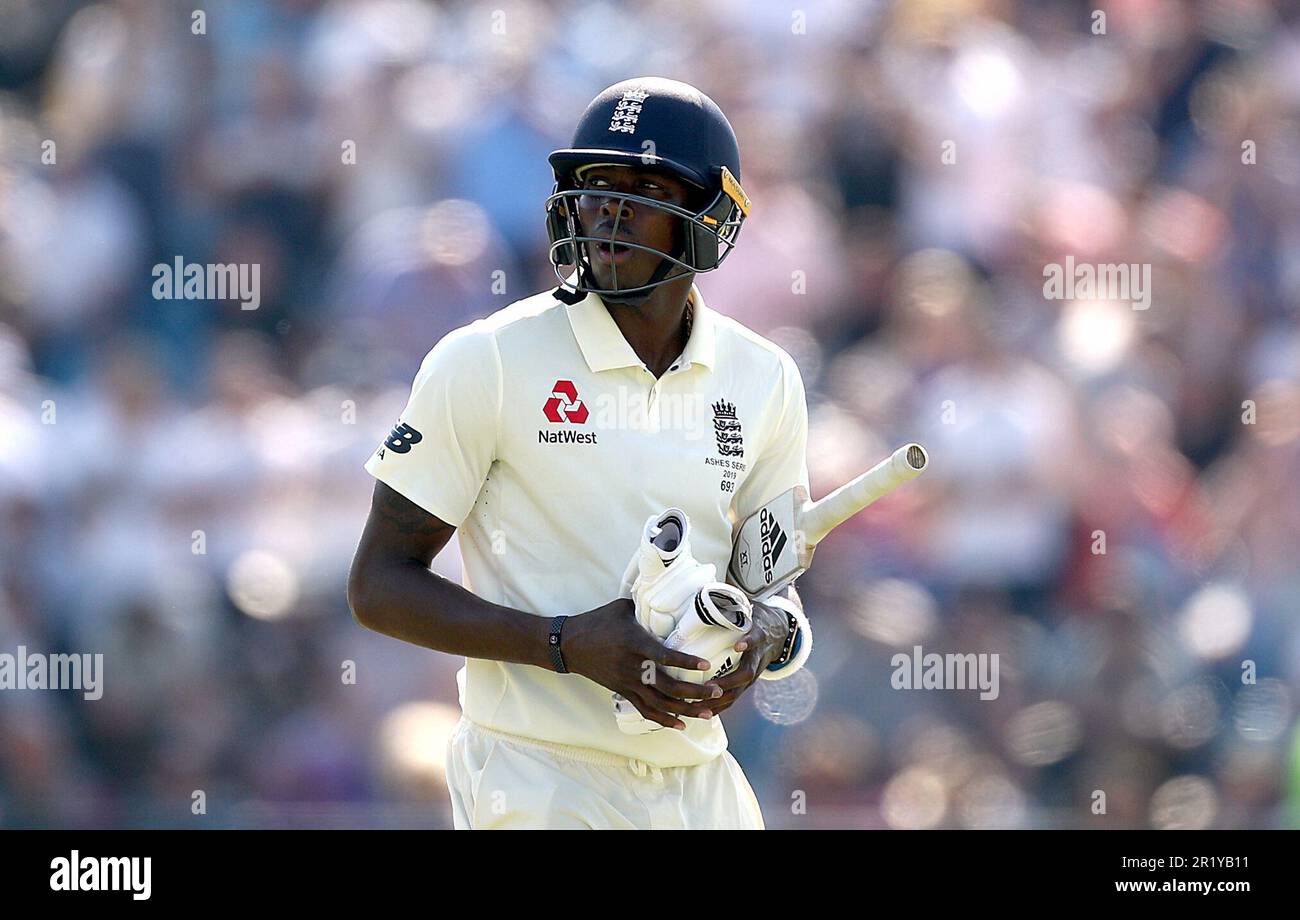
(1114, 501)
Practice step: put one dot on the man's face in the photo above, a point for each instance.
(640, 223)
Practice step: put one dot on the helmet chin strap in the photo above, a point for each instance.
(635, 298)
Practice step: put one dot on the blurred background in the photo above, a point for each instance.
(181, 484)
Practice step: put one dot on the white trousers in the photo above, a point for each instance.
(500, 781)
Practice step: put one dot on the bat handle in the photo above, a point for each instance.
(822, 516)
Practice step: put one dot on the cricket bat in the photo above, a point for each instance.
(775, 544)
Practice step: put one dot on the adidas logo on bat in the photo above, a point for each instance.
(773, 543)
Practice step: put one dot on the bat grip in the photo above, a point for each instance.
(821, 517)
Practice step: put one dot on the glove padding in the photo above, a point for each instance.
(630, 721)
(709, 625)
(721, 614)
(662, 576)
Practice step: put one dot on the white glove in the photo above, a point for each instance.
(711, 623)
(663, 579)
(630, 721)
(719, 617)
(662, 576)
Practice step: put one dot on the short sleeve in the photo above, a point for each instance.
(783, 463)
(439, 452)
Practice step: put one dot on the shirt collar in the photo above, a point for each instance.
(604, 347)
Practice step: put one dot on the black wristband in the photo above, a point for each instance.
(788, 647)
(553, 641)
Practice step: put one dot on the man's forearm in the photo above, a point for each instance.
(411, 603)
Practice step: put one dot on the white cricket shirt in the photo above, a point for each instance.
(539, 434)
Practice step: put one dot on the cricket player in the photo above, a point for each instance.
(546, 434)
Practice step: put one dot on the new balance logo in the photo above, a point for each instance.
(401, 439)
(774, 541)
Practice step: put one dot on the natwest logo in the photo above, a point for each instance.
(564, 404)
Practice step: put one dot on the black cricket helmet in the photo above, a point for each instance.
(660, 123)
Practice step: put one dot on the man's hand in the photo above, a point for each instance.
(608, 646)
(762, 645)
